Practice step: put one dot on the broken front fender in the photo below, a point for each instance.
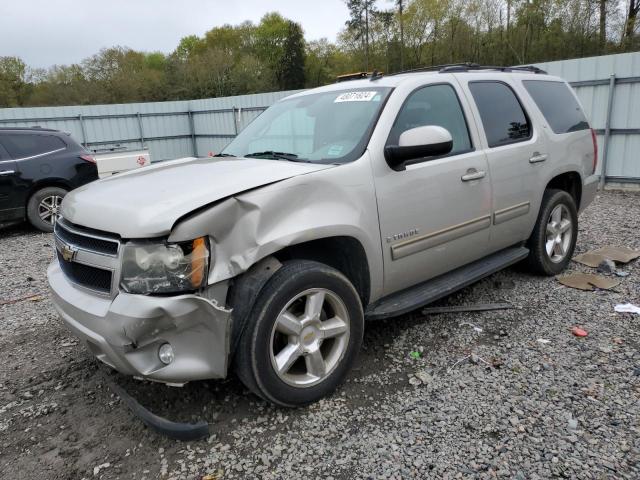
(338, 202)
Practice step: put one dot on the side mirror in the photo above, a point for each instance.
(419, 142)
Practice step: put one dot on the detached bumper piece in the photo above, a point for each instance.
(185, 432)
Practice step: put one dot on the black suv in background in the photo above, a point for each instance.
(38, 167)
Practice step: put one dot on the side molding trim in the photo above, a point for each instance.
(430, 240)
(509, 213)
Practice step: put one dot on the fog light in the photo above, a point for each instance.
(165, 353)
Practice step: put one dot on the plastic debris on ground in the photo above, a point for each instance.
(544, 341)
(627, 308)
(579, 332)
(588, 282)
(617, 254)
(476, 328)
(415, 355)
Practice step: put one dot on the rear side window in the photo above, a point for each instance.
(502, 115)
(558, 105)
(433, 105)
(21, 146)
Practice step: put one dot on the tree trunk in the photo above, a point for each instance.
(366, 36)
(401, 36)
(603, 26)
(507, 37)
(630, 24)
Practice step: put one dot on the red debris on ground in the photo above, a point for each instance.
(579, 332)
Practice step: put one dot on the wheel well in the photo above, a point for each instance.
(53, 182)
(345, 254)
(571, 183)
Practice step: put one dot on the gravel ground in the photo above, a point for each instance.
(484, 399)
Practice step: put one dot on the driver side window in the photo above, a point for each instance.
(433, 105)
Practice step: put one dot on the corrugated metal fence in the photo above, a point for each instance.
(608, 86)
(169, 129)
(609, 89)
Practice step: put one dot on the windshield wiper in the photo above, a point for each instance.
(224, 155)
(292, 157)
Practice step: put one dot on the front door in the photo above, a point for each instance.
(435, 215)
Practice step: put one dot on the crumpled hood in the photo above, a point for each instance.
(146, 202)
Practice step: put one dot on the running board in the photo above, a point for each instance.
(424, 293)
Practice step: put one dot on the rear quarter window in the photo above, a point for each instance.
(22, 146)
(558, 105)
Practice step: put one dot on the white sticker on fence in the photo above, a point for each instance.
(355, 97)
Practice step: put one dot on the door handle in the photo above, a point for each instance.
(473, 174)
(4, 173)
(538, 157)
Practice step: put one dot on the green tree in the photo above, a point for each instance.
(280, 44)
(13, 81)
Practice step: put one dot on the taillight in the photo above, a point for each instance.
(88, 158)
(595, 150)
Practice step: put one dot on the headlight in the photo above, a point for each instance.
(165, 267)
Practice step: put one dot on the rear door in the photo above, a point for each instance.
(10, 207)
(516, 151)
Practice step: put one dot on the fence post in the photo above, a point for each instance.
(84, 132)
(235, 121)
(607, 131)
(141, 128)
(192, 130)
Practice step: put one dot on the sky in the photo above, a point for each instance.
(48, 32)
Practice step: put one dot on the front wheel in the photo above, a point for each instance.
(554, 237)
(302, 336)
(43, 208)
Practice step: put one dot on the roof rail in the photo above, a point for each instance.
(527, 68)
(434, 68)
(469, 67)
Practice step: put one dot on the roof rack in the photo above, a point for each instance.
(469, 66)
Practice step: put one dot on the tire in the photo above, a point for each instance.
(312, 366)
(546, 258)
(44, 206)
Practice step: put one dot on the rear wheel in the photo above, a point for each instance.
(303, 334)
(43, 208)
(554, 237)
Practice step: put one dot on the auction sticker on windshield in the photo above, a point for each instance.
(355, 97)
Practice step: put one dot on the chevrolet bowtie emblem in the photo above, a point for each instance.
(68, 252)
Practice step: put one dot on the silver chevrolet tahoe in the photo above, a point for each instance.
(360, 200)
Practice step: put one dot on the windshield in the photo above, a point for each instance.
(328, 127)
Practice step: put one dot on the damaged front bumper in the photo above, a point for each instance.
(126, 332)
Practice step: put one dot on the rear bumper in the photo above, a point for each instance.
(589, 190)
(126, 332)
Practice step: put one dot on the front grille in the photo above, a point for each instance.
(86, 276)
(94, 244)
(88, 258)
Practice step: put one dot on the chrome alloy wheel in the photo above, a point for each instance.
(559, 234)
(309, 338)
(49, 209)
